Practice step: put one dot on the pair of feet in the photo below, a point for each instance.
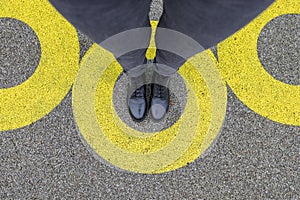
(159, 103)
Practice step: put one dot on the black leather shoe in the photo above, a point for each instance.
(160, 99)
(137, 104)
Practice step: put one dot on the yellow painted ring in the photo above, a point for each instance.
(44, 90)
(92, 106)
(92, 69)
(243, 71)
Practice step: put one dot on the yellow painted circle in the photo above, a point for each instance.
(160, 152)
(243, 71)
(92, 70)
(44, 90)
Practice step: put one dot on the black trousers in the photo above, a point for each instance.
(205, 21)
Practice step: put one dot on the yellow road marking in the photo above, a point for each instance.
(44, 90)
(243, 71)
(151, 51)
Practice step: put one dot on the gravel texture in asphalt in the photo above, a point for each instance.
(252, 158)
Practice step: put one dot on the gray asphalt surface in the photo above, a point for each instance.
(253, 157)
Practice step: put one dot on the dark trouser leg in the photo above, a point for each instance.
(206, 21)
(102, 19)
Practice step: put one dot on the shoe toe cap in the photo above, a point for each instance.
(158, 111)
(137, 109)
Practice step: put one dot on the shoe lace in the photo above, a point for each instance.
(139, 92)
(159, 91)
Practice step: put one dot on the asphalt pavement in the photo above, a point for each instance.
(252, 157)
